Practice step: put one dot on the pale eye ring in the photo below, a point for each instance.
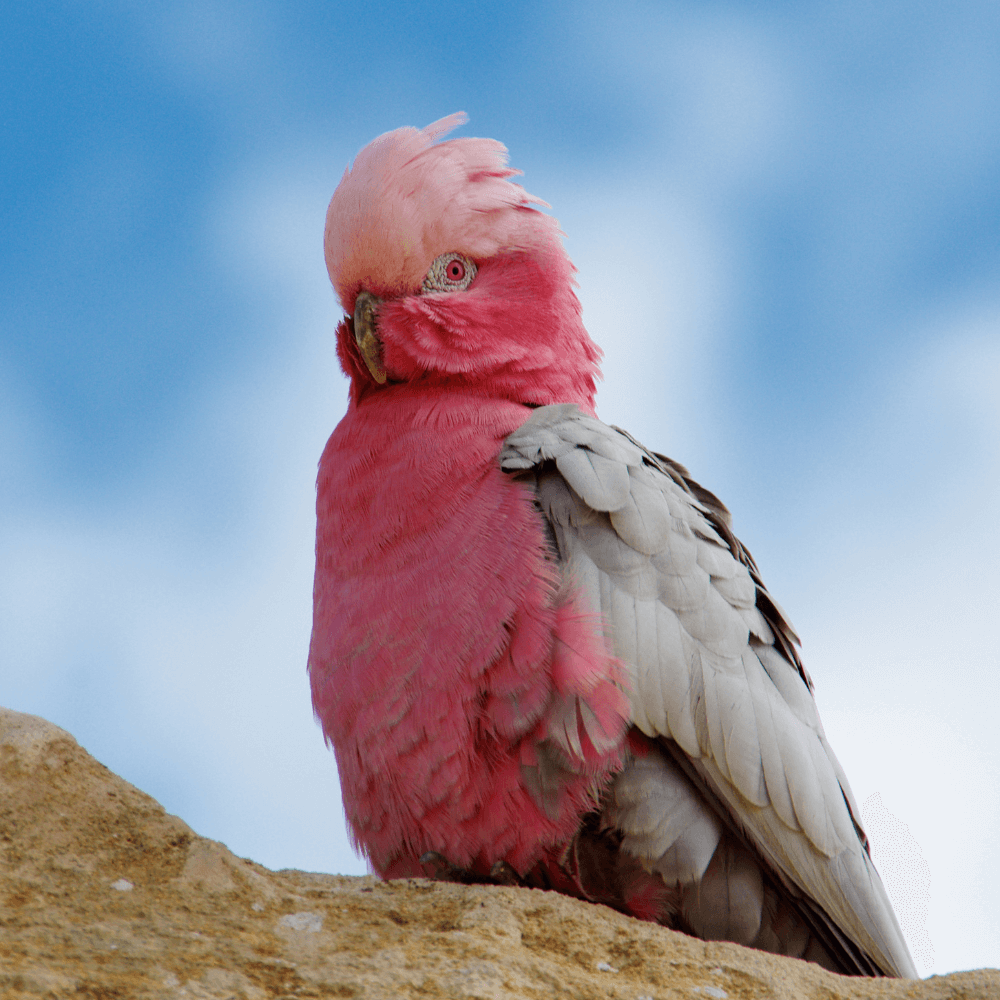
(451, 272)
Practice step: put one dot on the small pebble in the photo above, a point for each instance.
(123, 885)
(712, 991)
(605, 967)
(311, 923)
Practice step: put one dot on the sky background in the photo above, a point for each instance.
(786, 219)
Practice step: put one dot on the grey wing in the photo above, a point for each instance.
(715, 680)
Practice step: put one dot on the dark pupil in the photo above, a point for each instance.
(455, 269)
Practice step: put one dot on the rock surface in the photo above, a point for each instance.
(104, 895)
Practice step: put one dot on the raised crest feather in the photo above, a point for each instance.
(436, 131)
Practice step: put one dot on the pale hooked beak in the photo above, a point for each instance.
(364, 334)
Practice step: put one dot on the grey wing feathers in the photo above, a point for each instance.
(712, 663)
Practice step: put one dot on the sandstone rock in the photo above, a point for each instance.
(105, 895)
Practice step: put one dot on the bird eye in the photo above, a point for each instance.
(451, 272)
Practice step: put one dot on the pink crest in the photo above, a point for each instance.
(409, 198)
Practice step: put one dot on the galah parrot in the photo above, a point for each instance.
(539, 652)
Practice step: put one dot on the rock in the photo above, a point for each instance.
(105, 895)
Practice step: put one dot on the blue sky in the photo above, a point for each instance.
(786, 222)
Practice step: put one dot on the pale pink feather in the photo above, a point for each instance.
(408, 198)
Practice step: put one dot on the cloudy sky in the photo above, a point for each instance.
(786, 221)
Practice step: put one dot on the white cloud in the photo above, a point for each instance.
(654, 294)
(724, 90)
(897, 598)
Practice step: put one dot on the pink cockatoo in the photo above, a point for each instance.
(539, 652)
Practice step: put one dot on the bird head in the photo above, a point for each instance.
(450, 276)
